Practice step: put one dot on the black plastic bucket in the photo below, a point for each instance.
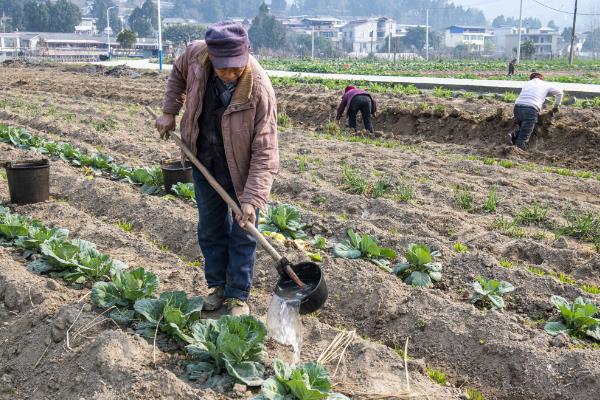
(174, 172)
(313, 296)
(28, 181)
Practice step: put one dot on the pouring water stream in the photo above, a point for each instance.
(284, 323)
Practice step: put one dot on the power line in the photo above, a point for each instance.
(563, 11)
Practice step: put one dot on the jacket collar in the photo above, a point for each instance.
(243, 89)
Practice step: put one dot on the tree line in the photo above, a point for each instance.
(41, 16)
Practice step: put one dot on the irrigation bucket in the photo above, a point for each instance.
(174, 172)
(28, 181)
(313, 296)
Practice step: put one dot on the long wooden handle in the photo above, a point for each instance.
(231, 203)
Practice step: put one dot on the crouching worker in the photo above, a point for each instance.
(529, 104)
(230, 123)
(357, 100)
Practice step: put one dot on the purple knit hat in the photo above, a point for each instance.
(227, 45)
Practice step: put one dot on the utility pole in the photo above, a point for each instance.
(520, 29)
(427, 34)
(390, 38)
(160, 54)
(573, 35)
(371, 34)
(108, 29)
(312, 43)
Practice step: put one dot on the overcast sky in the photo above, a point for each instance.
(492, 8)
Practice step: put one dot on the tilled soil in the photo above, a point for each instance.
(505, 354)
(50, 97)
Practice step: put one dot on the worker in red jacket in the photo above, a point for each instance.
(357, 100)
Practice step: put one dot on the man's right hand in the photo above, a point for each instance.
(165, 124)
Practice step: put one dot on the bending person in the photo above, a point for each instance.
(528, 107)
(357, 100)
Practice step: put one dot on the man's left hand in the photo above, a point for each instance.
(249, 215)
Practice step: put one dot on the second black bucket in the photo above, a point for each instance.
(174, 172)
(28, 181)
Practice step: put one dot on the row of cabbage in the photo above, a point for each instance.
(232, 347)
(580, 318)
(150, 179)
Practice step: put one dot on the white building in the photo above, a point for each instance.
(367, 36)
(166, 22)
(545, 40)
(87, 26)
(328, 27)
(471, 36)
(499, 35)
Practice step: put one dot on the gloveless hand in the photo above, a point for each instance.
(249, 215)
(165, 124)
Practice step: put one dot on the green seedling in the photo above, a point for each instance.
(437, 376)
(491, 202)
(474, 394)
(562, 277)
(504, 263)
(331, 128)
(535, 270)
(283, 120)
(464, 198)
(403, 193)
(419, 269)
(534, 214)
(381, 188)
(125, 226)
(506, 163)
(303, 163)
(320, 242)
(461, 248)
(353, 182)
(439, 91)
(582, 225)
(490, 292)
(589, 288)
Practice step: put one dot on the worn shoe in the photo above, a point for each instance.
(236, 307)
(215, 299)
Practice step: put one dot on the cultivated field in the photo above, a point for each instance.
(559, 70)
(437, 172)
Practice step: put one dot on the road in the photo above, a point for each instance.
(477, 85)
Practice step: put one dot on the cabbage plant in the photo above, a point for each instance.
(123, 290)
(284, 219)
(232, 344)
(172, 312)
(578, 319)
(419, 269)
(365, 246)
(490, 292)
(306, 382)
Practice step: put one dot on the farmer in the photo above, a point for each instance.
(529, 104)
(511, 67)
(230, 123)
(357, 100)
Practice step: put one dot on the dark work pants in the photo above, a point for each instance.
(526, 117)
(361, 103)
(229, 250)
